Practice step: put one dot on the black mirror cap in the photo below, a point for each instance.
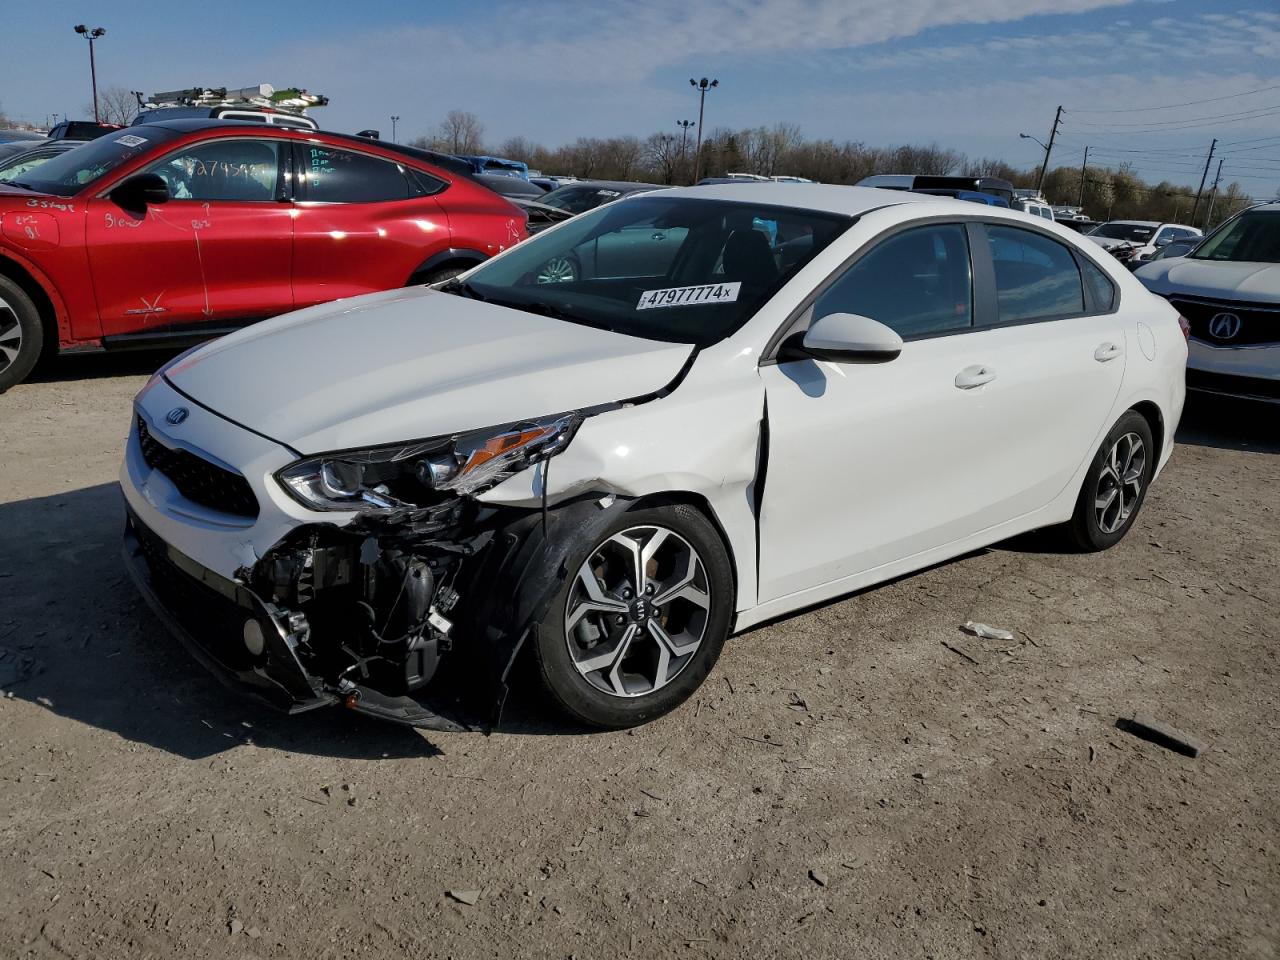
(138, 192)
(794, 348)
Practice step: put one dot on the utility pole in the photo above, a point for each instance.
(1084, 172)
(394, 121)
(1044, 167)
(92, 35)
(1213, 194)
(1195, 207)
(702, 86)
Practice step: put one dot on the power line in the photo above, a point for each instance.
(1189, 103)
(1217, 118)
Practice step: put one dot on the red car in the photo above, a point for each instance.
(184, 229)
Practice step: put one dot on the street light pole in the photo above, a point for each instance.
(92, 34)
(702, 86)
(394, 121)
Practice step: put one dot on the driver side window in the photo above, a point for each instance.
(917, 282)
(242, 169)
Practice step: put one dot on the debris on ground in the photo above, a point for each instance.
(955, 649)
(468, 897)
(1161, 734)
(235, 926)
(985, 631)
(818, 877)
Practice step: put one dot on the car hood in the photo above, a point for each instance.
(1258, 282)
(1110, 243)
(414, 363)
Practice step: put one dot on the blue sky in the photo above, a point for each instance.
(969, 74)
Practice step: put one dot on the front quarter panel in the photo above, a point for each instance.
(703, 440)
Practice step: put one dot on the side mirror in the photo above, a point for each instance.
(845, 338)
(136, 193)
(1164, 241)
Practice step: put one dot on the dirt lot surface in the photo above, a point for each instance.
(861, 780)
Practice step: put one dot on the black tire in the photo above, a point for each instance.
(21, 334)
(569, 688)
(1091, 528)
(439, 274)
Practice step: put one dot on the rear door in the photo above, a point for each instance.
(218, 253)
(362, 224)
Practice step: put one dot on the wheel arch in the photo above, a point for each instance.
(1150, 411)
(48, 304)
(453, 257)
(696, 501)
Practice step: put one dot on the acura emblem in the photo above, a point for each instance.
(1224, 326)
(178, 414)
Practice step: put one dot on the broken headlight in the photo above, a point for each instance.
(411, 475)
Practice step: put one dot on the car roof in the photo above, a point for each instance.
(620, 185)
(197, 124)
(830, 198)
(1137, 223)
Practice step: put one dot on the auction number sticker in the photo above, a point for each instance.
(689, 296)
(129, 140)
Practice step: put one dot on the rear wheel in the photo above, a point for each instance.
(1115, 486)
(21, 334)
(440, 274)
(640, 620)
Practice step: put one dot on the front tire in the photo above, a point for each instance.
(640, 620)
(1115, 486)
(21, 334)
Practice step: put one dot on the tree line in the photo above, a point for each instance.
(1107, 193)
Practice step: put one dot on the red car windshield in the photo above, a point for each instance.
(68, 174)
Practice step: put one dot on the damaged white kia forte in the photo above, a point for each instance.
(625, 439)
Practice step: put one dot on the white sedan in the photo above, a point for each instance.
(645, 429)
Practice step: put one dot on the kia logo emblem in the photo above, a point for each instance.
(177, 415)
(1224, 326)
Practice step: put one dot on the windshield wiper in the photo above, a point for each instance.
(19, 183)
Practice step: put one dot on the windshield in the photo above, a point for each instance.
(580, 199)
(662, 267)
(13, 168)
(68, 174)
(1134, 232)
(1250, 238)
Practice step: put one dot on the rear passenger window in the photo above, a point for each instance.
(1101, 289)
(340, 176)
(1036, 278)
(917, 282)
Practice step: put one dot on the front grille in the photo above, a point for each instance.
(197, 479)
(213, 620)
(1258, 388)
(1258, 324)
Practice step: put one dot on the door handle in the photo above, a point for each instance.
(974, 376)
(659, 235)
(1108, 351)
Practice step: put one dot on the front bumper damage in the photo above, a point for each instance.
(416, 619)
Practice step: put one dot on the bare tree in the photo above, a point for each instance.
(459, 132)
(519, 148)
(116, 105)
(662, 153)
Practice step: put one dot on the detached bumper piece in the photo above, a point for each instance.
(251, 645)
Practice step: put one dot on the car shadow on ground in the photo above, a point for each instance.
(78, 640)
(1227, 423)
(95, 366)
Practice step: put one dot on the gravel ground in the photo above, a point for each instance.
(861, 780)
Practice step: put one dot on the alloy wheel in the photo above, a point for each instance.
(637, 611)
(1120, 482)
(558, 270)
(10, 335)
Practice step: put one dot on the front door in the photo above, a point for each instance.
(983, 418)
(218, 253)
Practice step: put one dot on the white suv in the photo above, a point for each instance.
(1228, 288)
